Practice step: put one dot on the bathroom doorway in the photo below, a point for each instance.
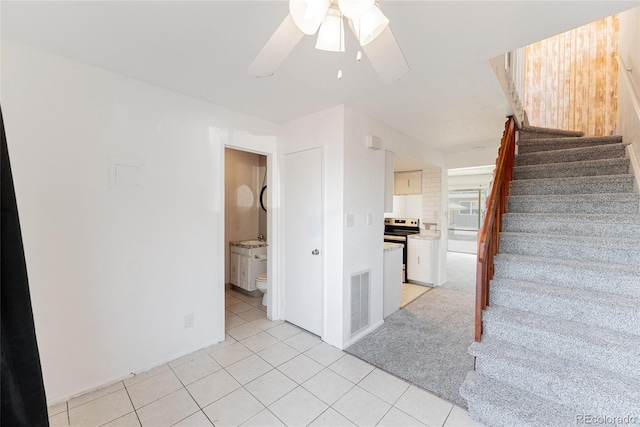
(246, 236)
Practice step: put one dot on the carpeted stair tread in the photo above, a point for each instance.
(618, 250)
(573, 169)
(573, 185)
(599, 348)
(591, 307)
(534, 145)
(617, 279)
(606, 203)
(497, 404)
(598, 152)
(569, 383)
(606, 225)
(533, 131)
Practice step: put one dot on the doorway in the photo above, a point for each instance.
(246, 236)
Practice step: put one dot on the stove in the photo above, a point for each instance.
(397, 230)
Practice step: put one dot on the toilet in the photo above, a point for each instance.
(261, 284)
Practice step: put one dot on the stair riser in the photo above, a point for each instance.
(573, 207)
(541, 247)
(551, 157)
(568, 277)
(622, 319)
(570, 228)
(552, 387)
(560, 145)
(618, 185)
(561, 171)
(495, 416)
(605, 356)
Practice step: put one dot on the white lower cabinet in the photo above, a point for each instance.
(245, 265)
(422, 260)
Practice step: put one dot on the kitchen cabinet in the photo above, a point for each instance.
(408, 183)
(422, 260)
(392, 278)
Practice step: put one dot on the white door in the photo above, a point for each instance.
(302, 239)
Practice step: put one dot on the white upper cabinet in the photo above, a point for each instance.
(408, 183)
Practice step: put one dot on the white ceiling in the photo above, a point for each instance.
(449, 100)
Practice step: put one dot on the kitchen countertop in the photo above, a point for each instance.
(388, 246)
(426, 235)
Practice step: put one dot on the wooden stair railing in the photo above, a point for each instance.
(489, 235)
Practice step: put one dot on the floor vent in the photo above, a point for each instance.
(360, 291)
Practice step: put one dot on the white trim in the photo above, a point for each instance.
(634, 166)
(362, 334)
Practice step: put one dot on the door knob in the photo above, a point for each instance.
(315, 252)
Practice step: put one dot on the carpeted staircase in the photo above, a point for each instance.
(561, 336)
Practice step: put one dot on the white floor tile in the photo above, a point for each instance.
(459, 417)
(199, 419)
(361, 407)
(249, 369)
(331, 418)
(213, 387)
(300, 368)
(424, 406)
(102, 410)
(243, 331)
(239, 308)
(56, 409)
(298, 408)
(259, 342)
(270, 387)
(302, 341)
(196, 355)
(328, 386)
(195, 369)
(284, 331)
(229, 301)
(169, 410)
(59, 420)
(233, 321)
(233, 409)
(324, 354)
(277, 354)
(129, 420)
(146, 375)
(351, 368)
(264, 418)
(230, 354)
(154, 388)
(397, 418)
(385, 386)
(253, 314)
(265, 323)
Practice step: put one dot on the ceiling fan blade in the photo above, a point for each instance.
(386, 57)
(281, 43)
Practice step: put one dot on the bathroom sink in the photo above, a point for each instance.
(252, 242)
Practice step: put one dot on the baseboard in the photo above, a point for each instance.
(634, 166)
(362, 334)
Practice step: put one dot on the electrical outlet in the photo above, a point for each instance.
(350, 220)
(188, 321)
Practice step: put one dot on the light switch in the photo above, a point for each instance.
(350, 221)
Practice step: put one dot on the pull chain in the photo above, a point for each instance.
(340, 50)
(359, 54)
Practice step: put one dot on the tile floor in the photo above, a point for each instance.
(264, 374)
(411, 292)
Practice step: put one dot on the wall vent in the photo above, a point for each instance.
(360, 291)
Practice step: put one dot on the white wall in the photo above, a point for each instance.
(113, 271)
(628, 118)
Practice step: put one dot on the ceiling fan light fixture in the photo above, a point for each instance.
(331, 34)
(369, 26)
(354, 9)
(308, 14)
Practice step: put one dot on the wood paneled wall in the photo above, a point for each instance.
(571, 80)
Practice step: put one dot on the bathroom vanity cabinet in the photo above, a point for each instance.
(245, 263)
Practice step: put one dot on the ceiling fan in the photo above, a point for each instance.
(306, 17)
